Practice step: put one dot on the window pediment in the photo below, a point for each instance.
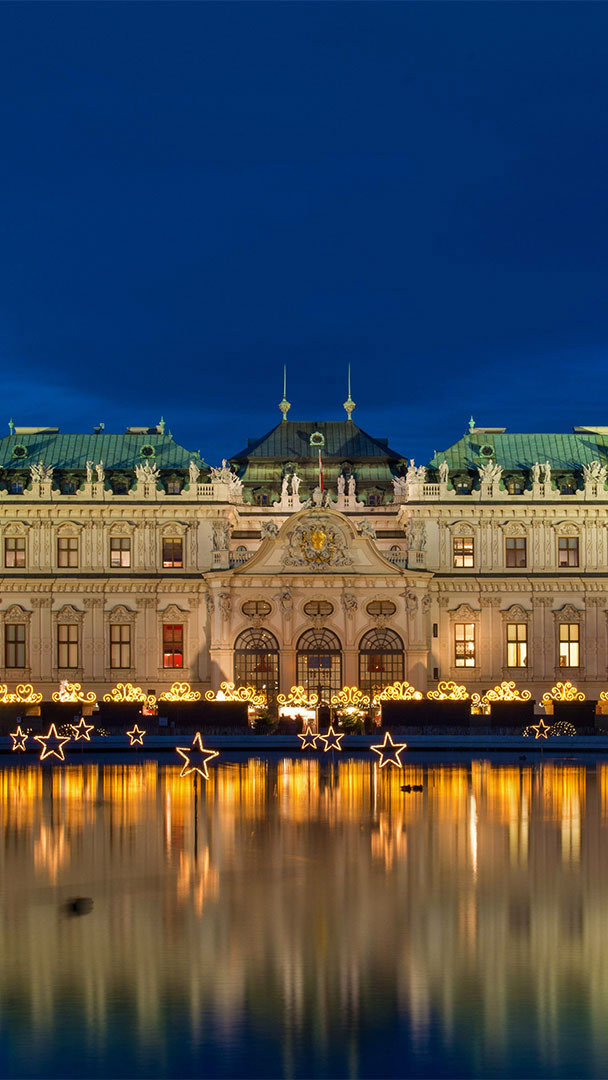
(121, 614)
(566, 528)
(16, 613)
(516, 613)
(463, 528)
(568, 613)
(173, 613)
(70, 528)
(174, 528)
(17, 528)
(464, 613)
(514, 528)
(68, 614)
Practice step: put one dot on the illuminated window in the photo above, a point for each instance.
(463, 548)
(515, 551)
(318, 607)
(67, 551)
(517, 644)
(173, 645)
(256, 607)
(261, 500)
(464, 644)
(569, 645)
(67, 645)
(14, 551)
(381, 607)
(462, 487)
(567, 553)
(120, 645)
(173, 487)
(319, 663)
(380, 660)
(14, 645)
(120, 551)
(514, 486)
(256, 660)
(173, 551)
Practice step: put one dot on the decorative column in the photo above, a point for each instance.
(416, 606)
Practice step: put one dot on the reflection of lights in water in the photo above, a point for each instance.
(51, 851)
(473, 832)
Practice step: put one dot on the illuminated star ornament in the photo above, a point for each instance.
(308, 739)
(136, 735)
(52, 744)
(19, 738)
(389, 752)
(196, 757)
(541, 729)
(81, 730)
(331, 739)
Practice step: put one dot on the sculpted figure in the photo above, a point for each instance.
(285, 601)
(444, 472)
(490, 472)
(221, 535)
(349, 603)
(295, 484)
(421, 474)
(89, 472)
(285, 487)
(412, 473)
(269, 528)
(595, 472)
(535, 473)
(225, 604)
(547, 476)
(341, 484)
(99, 469)
(317, 497)
(352, 484)
(146, 473)
(365, 528)
(41, 472)
(194, 471)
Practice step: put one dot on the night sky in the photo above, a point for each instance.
(193, 195)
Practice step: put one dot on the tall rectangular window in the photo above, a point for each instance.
(515, 551)
(517, 644)
(14, 551)
(67, 551)
(567, 551)
(173, 645)
(120, 551)
(569, 645)
(464, 644)
(14, 645)
(463, 551)
(173, 551)
(67, 645)
(120, 645)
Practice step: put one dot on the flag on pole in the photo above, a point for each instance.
(320, 470)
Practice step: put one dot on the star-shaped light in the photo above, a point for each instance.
(136, 735)
(331, 739)
(389, 752)
(541, 729)
(19, 738)
(200, 755)
(309, 739)
(52, 744)
(81, 730)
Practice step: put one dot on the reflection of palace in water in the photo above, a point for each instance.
(310, 890)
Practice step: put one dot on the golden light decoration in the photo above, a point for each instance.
(331, 739)
(350, 696)
(448, 690)
(399, 691)
(504, 691)
(180, 691)
(19, 738)
(202, 755)
(136, 736)
(81, 730)
(308, 739)
(389, 752)
(563, 691)
(299, 698)
(542, 730)
(126, 693)
(563, 727)
(58, 740)
(71, 693)
(250, 695)
(24, 694)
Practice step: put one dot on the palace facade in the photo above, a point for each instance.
(317, 555)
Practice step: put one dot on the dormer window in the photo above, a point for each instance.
(17, 487)
(173, 487)
(463, 487)
(515, 486)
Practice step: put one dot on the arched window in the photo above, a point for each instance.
(380, 660)
(320, 662)
(256, 661)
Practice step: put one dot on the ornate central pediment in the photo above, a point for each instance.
(317, 543)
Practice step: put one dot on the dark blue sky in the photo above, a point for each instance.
(194, 194)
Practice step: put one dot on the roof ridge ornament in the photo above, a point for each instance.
(349, 404)
(284, 405)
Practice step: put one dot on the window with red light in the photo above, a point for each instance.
(173, 646)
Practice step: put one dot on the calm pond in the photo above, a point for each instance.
(298, 917)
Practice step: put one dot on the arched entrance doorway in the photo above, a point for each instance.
(380, 660)
(319, 662)
(256, 661)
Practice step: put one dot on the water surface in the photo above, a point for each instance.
(302, 917)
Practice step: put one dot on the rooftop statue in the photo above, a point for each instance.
(595, 472)
(490, 472)
(41, 472)
(194, 471)
(535, 473)
(444, 471)
(147, 473)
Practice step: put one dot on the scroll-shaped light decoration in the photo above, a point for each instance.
(24, 694)
(350, 697)
(448, 690)
(250, 695)
(504, 691)
(126, 693)
(299, 698)
(180, 691)
(19, 738)
(399, 691)
(563, 691)
(72, 694)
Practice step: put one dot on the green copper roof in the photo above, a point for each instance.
(518, 452)
(120, 452)
(290, 441)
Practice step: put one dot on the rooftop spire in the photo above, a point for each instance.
(349, 403)
(284, 405)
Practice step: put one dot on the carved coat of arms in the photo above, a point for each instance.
(318, 545)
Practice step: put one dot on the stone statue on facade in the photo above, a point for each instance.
(352, 484)
(411, 475)
(595, 472)
(269, 529)
(416, 536)
(341, 485)
(101, 472)
(349, 604)
(221, 474)
(89, 467)
(411, 602)
(41, 473)
(285, 487)
(421, 474)
(365, 528)
(295, 485)
(235, 486)
(148, 473)
(225, 605)
(317, 497)
(547, 476)
(194, 471)
(444, 472)
(490, 472)
(221, 535)
(399, 487)
(285, 602)
(535, 473)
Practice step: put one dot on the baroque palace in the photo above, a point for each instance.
(317, 556)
